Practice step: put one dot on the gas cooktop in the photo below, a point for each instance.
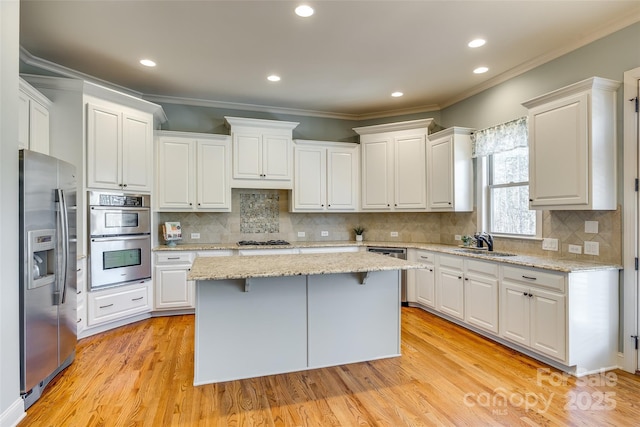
(267, 243)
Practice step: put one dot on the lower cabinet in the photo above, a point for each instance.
(425, 279)
(533, 312)
(481, 295)
(81, 292)
(117, 303)
(450, 286)
(172, 289)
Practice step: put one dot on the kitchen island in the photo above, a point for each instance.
(271, 314)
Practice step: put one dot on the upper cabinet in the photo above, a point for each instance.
(193, 172)
(450, 170)
(262, 153)
(119, 148)
(572, 147)
(33, 119)
(325, 176)
(394, 166)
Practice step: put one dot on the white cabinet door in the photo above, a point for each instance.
(172, 289)
(558, 152)
(213, 186)
(175, 177)
(38, 127)
(247, 156)
(310, 178)
(451, 292)
(342, 178)
(104, 142)
(410, 173)
(440, 179)
(276, 157)
(514, 317)
(23, 120)
(377, 174)
(481, 301)
(137, 153)
(426, 286)
(548, 323)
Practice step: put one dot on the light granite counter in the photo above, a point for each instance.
(240, 267)
(555, 264)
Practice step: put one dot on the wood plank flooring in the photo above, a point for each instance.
(142, 375)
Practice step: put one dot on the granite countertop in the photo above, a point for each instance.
(243, 267)
(555, 264)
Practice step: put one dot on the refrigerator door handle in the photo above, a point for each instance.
(64, 233)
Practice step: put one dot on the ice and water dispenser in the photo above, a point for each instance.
(42, 258)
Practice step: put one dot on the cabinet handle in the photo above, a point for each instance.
(525, 294)
(79, 270)
(528, 277)
(174, 257)
(530, 295)
(79, 292)
(136, 299)
(79, 320)
(424, 257)
(106, 306)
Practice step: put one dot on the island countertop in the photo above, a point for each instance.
(244, 267)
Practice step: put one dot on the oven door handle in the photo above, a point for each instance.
(121, 238)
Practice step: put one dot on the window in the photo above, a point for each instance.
(503, 174)
(508, 194)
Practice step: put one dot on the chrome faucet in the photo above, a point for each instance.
(484, 237)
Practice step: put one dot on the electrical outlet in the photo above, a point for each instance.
(394, 234)
(301, 234)
(575, 249)
(324, 233)
(195, 235)
(549, 244)
(591, 227)
(458, 237)
(592, 248)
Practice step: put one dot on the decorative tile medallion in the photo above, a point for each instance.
(259, 213)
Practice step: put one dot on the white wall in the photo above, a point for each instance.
(11, 406)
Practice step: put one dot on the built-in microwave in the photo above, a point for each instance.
(120, 239)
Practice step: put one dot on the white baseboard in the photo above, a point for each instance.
(13, 414)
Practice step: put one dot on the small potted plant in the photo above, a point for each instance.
(466, 240)
(358, 230)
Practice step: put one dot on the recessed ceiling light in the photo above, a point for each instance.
(481, 70)
(477, 43)
(304, 11)
(273, 78)
(147, 63)
(397, 94)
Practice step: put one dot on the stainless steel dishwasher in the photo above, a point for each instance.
(400, 253)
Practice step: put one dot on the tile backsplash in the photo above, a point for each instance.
(264, 215)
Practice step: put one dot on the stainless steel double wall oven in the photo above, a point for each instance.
(120, 239)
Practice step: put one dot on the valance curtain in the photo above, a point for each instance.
(500, 138)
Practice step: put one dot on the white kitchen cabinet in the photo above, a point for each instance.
(172, 289)
(33, 119)
(193, 172)
(119, 148)
(262, 153)
(572, 147)
(81, 292)
(534, 310)
(450, 286)
(325, 176)
(117, 303)
(450, 170)
(425, 279)
(394, 166)
(481, 295)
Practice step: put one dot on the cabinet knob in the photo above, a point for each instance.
(388, 204)
(322, 206)
(190, 204)
(459, 277)
(531, 200)
(525, 294)
(124, 185)
(199, 204)
(449, 203)
(431, 270)
(466, 278)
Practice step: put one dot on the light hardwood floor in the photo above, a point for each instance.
(142, 375)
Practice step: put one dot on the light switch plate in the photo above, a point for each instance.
(324, 233)
(549, 244)
(575, 249)
(394, 234)
(195, 235)
(458, 237)
(591, 227)
(301, 234)
(592, 248)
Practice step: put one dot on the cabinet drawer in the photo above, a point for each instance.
(451, 261)
(174, 257)
(549, 280)
(215, 253)
(113, 305)
(427, 257)
(482, 267)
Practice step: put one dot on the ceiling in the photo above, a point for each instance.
(344, 61)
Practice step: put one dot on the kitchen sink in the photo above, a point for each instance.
(484, 252)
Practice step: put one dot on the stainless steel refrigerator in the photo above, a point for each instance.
(47, 270)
